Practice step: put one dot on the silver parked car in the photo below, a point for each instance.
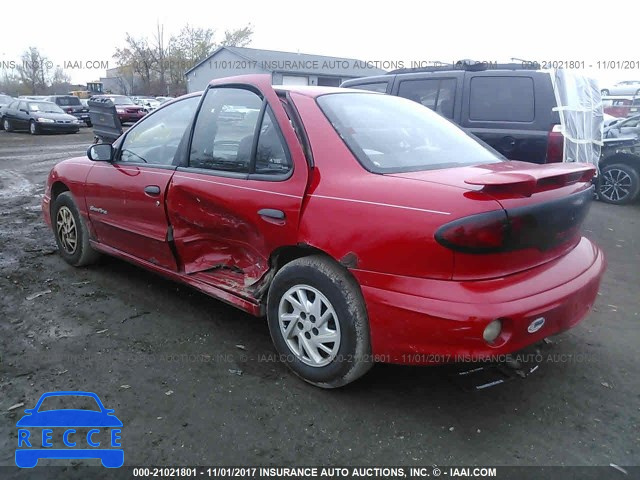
(628, 128)
(628, 87)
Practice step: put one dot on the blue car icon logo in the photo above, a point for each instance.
(69, 433)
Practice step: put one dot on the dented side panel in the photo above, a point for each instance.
(216, 222)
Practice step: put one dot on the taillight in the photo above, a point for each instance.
(542, 226)
(481, 233)
(555, 145)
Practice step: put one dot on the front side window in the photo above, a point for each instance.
(155, 140)
(389, 134)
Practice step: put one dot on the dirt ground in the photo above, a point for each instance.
(194, 381)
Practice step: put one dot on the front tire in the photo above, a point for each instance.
(318, 322)
(604, 92)
(7, 125)
(619, 184)
(33, 128)
(71, 233)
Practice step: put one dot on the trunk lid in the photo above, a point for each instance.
(543, 209)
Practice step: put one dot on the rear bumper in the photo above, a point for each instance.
(424, 321)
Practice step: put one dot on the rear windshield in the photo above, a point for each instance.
(68, 101)
(389, 134)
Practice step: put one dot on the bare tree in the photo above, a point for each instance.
(160, 64)
(33, 70)
(139, 57)
(240, 37)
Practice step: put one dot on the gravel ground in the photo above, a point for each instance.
(195, 383)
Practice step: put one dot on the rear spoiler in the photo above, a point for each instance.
(529, 181)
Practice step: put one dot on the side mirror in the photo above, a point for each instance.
(101, 152)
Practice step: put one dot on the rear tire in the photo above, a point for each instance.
(71, 233)
(318, 322)
(619, 184)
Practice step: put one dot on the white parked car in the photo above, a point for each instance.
(628, 87)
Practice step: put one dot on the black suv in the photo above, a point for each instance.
(71, 105)
(509, 106)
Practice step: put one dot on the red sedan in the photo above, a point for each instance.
(364, 226)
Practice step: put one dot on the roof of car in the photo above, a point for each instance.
(315, 91)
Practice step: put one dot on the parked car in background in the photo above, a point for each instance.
(149, 104)
(619, 106)
(164, 99)
(627, 87)
(609, 120)
(635, 107)
(470, 255)
(32, 97)
(5, 100)
(37, 117)
(126, 109)
(139, 99)
(627, 128)
(71, 105)
(619, 179)
(509, 107)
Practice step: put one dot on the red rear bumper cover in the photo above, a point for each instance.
(424, 321)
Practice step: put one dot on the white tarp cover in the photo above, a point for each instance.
(581, 116)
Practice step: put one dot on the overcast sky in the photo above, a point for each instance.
(491, 30)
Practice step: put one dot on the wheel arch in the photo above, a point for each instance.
(57, 188)
(624, 158)
(283, 255)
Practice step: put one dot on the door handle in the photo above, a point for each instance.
(271, 213)
(152, 190)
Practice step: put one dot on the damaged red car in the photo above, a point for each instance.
(365, 227)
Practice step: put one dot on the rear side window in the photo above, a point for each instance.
(225, 129)
(67, 101)
(436, 93)
(380, 87)
(233, 133)
(501, 99)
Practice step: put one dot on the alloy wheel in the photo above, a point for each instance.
(67, 231)
(616, 185)
(309, 325)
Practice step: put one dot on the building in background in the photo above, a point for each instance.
(286, 68)
(121, 81)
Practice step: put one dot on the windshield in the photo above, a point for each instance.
(389, 134)
(121, 101)
(68, 101)
(44, 107)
